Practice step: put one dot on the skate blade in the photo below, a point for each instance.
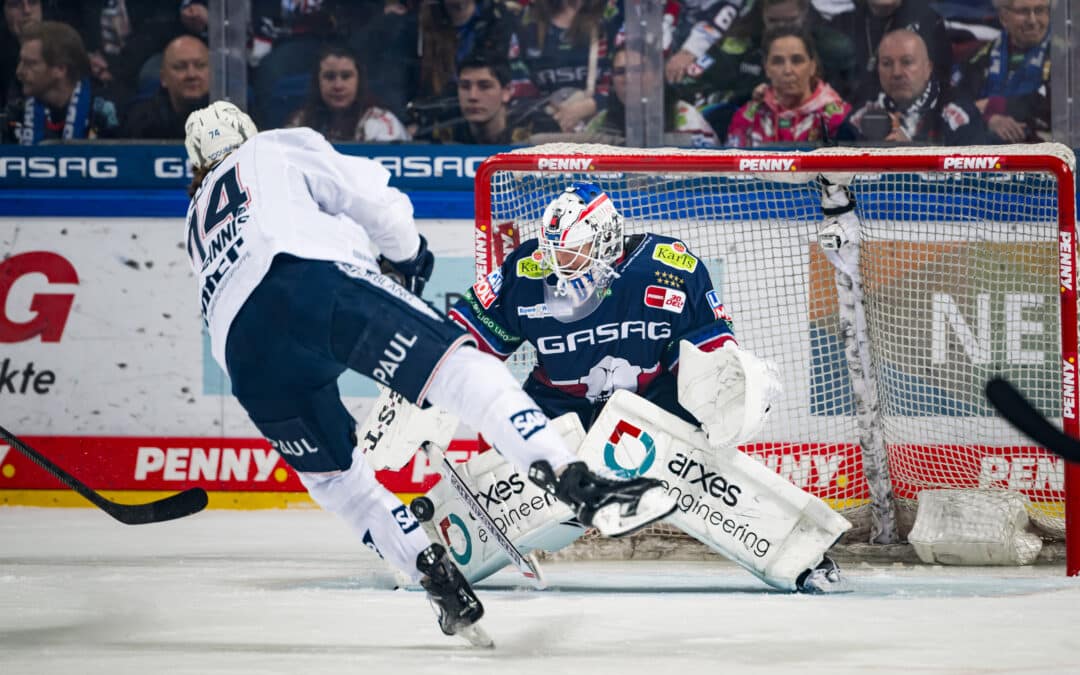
(653, 505)
(476, 636)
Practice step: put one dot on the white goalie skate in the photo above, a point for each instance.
(825, 578)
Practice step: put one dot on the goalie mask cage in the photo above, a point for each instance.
(966, 269)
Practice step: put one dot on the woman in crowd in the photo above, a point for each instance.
(339, 105)
(796, 106)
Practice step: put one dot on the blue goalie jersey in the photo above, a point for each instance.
(662, 294)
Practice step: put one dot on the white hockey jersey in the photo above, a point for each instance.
(288, 191)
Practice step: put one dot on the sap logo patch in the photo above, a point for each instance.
(667, 299)
(528, 422)
(718, 310)
(675, 255)
(405, 519)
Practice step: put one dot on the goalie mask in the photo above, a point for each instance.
(580, 239)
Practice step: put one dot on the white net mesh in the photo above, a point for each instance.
(960, 275)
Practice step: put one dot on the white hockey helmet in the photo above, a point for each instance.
(581, 234)
(211, 133)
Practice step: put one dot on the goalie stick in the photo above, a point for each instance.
(525, 563)
(1014, 407)
(172, 507)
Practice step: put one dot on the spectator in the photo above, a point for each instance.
(912, 106)
(872, 19)
(18, 16)
(120, 36)
(452, 31)
(797, 106)
(339, 105)
(679, 116)
(185, 86)
(55, 74)
(559, 58)
(195, 17)
(483, 94)
(702, 25)
(1009, 78)
(737, 69)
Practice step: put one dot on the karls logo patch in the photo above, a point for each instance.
(767, 164)
(667, 299)
(717, 307)
(970, 163)
(675, 255)
(532, 267)
(629, 451)
(456, 535)
(528, 422)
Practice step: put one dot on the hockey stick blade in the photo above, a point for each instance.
(1014, 407)
(172, 507)
(526, 564)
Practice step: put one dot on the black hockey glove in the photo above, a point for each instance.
(413, 273)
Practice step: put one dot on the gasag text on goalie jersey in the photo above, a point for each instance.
(662, 294)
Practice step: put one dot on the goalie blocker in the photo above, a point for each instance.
(728, 501)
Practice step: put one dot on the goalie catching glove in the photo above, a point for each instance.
(729, 391)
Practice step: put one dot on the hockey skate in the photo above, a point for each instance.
(825, 578)
(456, 605)
(615, 507)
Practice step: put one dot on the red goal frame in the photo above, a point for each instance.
(858, 162)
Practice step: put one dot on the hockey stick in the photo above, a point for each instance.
(175, 506)
(525, 563)
(1014, 407)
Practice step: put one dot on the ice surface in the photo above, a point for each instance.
(294, 592)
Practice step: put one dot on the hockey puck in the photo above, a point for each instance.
(423, 509)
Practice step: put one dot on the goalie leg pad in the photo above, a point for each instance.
(729, 501)
(530, 517)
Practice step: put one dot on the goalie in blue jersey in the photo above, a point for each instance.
(603, 310)
(607, 312)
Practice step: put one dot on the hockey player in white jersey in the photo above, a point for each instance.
(282, 234)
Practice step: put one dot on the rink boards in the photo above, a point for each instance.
(106, 369)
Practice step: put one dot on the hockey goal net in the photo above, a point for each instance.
(967, 270)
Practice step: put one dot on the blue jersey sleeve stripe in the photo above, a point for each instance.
(706, 338)
(486, 341)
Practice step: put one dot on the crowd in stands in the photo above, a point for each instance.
(737, 73)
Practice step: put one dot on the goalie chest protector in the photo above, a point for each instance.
(663, 293)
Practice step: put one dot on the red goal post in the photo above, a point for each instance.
(963, 249)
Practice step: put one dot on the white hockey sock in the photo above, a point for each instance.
(482, 392)
(382, 522)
